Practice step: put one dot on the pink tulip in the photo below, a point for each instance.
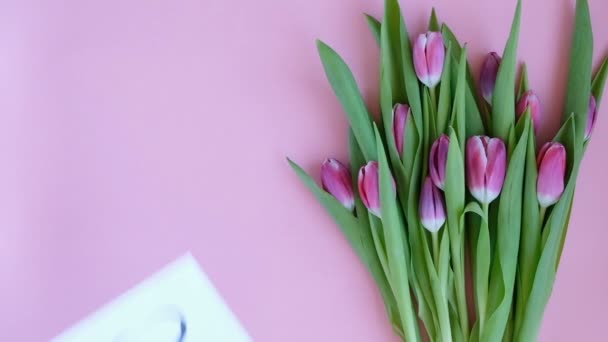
(438, 160)
(335, 179)
(486, 166)
(429, 56)
(487, 79)
(530, 100)
(591, 116)
(369, 187)
(400, 115)
(432, 210)
(551, 172)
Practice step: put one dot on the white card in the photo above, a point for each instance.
(177, 304)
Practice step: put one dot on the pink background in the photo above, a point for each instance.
(133, 131)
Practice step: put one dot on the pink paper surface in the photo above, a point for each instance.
(133, 131)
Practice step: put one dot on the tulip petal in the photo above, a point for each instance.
(476, 167)
(438, 201)
(432, 212)
(529, 100)
(591, 117)
(541, 153)
(435, 57)
(551, 173)
(369, 187)
(420, 63)
(438, 160)
(496, 168)
(487, 78)
(335, 179)
(400, 114)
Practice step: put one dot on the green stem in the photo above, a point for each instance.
(433, 93)
(401, 290)
(375, 226)
(435, 236)
(543, 211)
(545, 235)
(528, 270)
(508, 337)
(482, 270)
(461, 295)
(433, 118)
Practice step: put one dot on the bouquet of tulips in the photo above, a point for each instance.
(450, 186)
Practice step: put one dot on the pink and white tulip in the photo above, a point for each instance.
(486, 160)
(551, 162)
(530, 100)
(335, 179)
(438, 160)
(369, 187)
(429, 56)
(591, 117)
(489, 71)
(432, 208)
(401, 113)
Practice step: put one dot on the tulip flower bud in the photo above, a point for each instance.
(438, 160)
(530, 100)
(486, 167)
(551, 173)
(335, 179)
(429, 56)
(432, 209)
(487, 79)
(400, 115)
(369, 187)
(591, 116)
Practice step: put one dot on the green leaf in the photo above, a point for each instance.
(454, 185)
(412, 87)
(434, 22)
(392, 89)
(450, 39)
(420, 257)
(374, 27)
(459, 109)
(397, 251)
(579, 73)
(347, 91)
(424, 312)
(475, 124)
(561, 247)
(523, 81)
(380, 245)
(474, 208)
(386, 104)
(508, 229)
(544, 277)
(599, 82)
(455, 208)
(445, 94)
(443, 313)
(530, 229)
(390, 51)
(503, 101)
(444, 262)
(482, 272)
